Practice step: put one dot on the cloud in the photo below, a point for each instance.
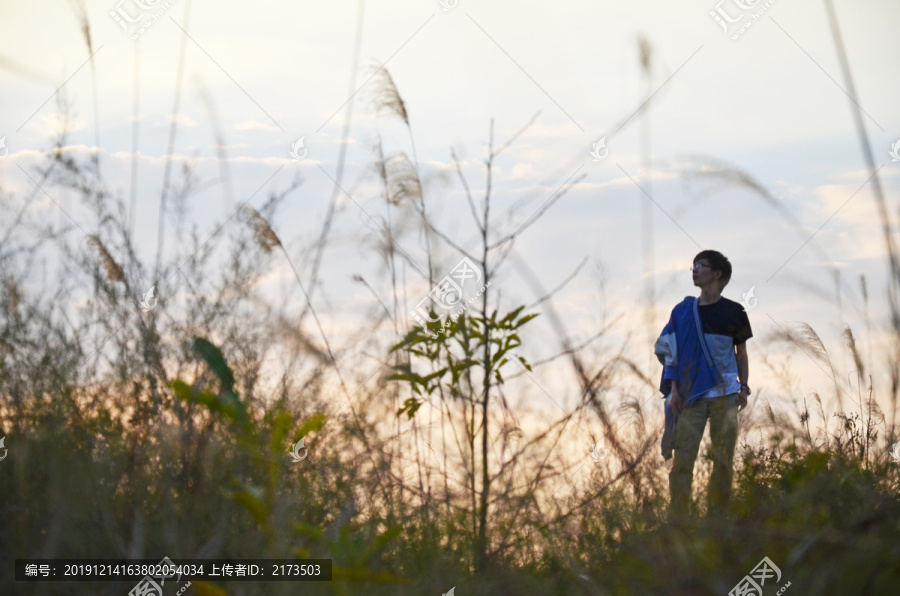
(255, 125)
(181, 120)
(228, 146)
(885, 173)
(55, 123)
(851, 204)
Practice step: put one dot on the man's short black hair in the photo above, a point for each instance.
(718, 262)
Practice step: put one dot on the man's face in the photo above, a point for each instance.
(703, 273)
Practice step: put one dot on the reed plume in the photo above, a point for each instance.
(263, 233)
(386, 97)
(113, 270)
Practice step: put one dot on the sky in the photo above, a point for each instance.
(250, 80)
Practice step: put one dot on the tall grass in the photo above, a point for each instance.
(165, 433)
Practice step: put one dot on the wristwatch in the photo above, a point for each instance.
(747, 387)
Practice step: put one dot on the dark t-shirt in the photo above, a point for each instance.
(725, 325)
(726, 317)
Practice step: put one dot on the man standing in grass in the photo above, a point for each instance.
(704, 377)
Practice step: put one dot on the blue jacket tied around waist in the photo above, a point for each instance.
(679, 351)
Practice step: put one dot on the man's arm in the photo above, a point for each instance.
(743, 363)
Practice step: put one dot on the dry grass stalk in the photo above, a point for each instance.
(84, 25)
(850, 341)
(113, 270)
(263, 233)
(385, 96)
(402, 180)
(14, 295)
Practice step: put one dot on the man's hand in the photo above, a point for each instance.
(742, 398)
(675, 402)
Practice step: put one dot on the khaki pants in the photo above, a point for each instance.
(723, 430)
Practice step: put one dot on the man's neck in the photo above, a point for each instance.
(709, 294)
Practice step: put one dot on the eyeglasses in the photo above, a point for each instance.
(698, 266)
